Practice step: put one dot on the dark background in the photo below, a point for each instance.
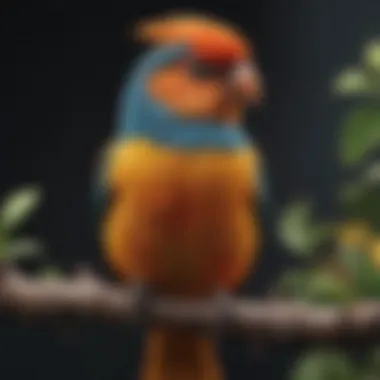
(60, 67)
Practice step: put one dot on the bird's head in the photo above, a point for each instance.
(216, 78)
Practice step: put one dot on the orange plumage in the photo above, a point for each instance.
(210, 38)
(192, 197)
(184, 223)
(183, 220)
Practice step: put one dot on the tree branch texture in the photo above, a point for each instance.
(88, 296)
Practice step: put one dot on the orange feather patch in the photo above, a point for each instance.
(211, 39)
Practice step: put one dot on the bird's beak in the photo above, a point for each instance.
(246, 82)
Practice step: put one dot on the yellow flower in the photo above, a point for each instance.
(375, 253)
(355, 234)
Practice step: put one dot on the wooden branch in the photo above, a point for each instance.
(87, 296)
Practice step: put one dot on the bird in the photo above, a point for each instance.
(180, 180)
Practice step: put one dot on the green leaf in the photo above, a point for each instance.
(371, 367)
(359, 135)
(319, 286)
(352, 81)
(362, 271)
(293, 283)
(368, 375)
(375, 359)
(18, 206)
(366, 205)
(360, 196)
(372, 173)
(324, 365)
(296, 229)
(327, 287)
(21, 248)
(350, 192)
(371, 55)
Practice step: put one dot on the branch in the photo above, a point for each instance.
(87, 296)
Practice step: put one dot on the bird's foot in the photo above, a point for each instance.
(141, 298)
(224, 308)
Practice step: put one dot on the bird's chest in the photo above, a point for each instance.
(214, 185)
(179, 212)
(182, 185)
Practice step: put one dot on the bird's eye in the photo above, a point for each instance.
(206, 70)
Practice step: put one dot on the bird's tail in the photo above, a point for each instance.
(179, 355)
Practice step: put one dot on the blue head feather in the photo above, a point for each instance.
(139, 116)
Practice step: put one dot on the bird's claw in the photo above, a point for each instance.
(141, 297)
(224, 305)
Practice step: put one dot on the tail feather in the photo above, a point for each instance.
(179, 355)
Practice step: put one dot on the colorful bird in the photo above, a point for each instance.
(182, 180)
